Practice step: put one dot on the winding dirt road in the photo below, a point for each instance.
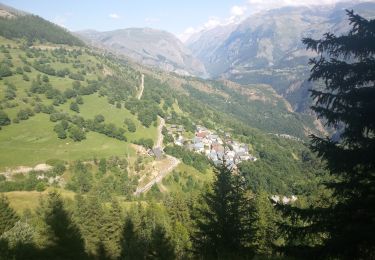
(142, 87)
(159, 141)
(173, 162)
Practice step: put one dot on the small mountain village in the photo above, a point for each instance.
(214, 147)
(217, 149)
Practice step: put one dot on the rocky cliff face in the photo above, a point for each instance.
(267, 47)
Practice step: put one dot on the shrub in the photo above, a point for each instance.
(4, 119)
(74, 106)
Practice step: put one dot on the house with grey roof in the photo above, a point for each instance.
(158, 153)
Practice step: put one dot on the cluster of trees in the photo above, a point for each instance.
(146, 110)
(77, 126)
(5, 69)
(4, 119)
(88, 231)
(26, 183)
(24, 114)
(107, 177)
(198, 161)
(42, 86)
(145, 142)
(10, 91)
(44, 66)
(119, 87)
(130, 125)
(110, 130)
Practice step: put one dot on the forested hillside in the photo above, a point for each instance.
(77, 111)
(33, 28)
(102, 158)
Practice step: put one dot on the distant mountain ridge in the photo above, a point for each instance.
(151, 47)
(270, 38)
(267, 48)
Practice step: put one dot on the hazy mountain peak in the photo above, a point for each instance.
(152, 47)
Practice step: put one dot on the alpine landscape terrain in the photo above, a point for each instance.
(250, 137)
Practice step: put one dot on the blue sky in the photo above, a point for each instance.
(179, 17)
(172, 15)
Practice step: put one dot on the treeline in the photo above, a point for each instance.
(34, 28)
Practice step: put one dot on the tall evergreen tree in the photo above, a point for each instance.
(111, 230)
(160, 246)
(346, 65)
(89, 218)
(66, 239)
(263, 224)
(222, 221)
(7, 215)
(131, 245)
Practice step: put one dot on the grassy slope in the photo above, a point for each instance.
(94, 105)
(33, 141)
(22, 200)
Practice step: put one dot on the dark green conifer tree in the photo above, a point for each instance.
(222, 221)
(131, 245)
(7, 215)
(160, 246)
(64, 235)
(89, 218)
(111, 230)
(345, 227)
(263, 225)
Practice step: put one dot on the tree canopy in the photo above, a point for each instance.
(345, 224)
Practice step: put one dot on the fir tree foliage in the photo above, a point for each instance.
(222, 224)
(345, 226)
(64, 235)
(111, 230)
(8, 217)
(262, 225)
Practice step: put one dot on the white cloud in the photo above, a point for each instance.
(255, 6)
(114, 16)
(185, 35)
(238, 10)
(61, 19)
(211, 23)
